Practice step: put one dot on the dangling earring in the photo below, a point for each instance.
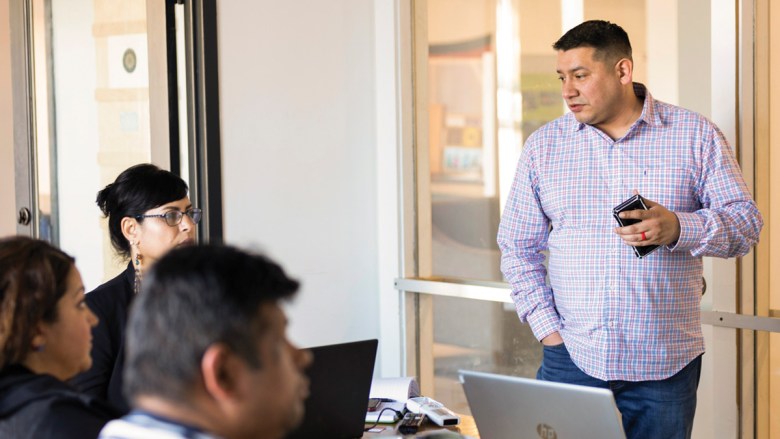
(138, 266)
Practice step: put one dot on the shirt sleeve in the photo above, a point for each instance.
(522, 238)
(729, 223)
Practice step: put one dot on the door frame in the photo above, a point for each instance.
(202, 112)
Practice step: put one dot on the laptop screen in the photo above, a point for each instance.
(506, 407)
(339, 383)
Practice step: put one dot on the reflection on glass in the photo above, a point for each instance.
(181, 79)
(91, 85)
(462, 127)
(43, 131)
(491, 339)
(491, 83)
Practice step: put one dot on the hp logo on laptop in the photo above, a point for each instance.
(546, 432)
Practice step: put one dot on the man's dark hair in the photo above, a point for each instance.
(609, 40)
(192, 298)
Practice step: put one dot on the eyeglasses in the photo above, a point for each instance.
(173, 218)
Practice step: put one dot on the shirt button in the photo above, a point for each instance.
(611, 324)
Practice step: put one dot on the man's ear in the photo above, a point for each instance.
(222, 372)
(625, 70)
(129, 228)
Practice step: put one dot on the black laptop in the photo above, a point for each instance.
(340, 380)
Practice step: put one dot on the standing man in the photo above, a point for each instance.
(607, 318)
(207, 351)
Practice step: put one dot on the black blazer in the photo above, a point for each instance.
(111, 303)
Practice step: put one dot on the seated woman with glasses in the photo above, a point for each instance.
(148, 214)
(45, 339)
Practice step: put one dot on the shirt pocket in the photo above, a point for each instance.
(673, 187)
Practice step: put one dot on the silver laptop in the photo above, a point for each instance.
(506, 407)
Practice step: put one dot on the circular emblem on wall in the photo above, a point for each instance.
(129, 60)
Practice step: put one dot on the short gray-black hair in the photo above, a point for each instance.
(608, 39)
(192, 298)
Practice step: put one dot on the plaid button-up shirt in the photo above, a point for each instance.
(621, 317)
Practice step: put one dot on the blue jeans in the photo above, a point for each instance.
(650, 409)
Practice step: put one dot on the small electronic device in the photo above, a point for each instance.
(434, 411)
(373, 403)
(410, 423)
(634, 203)
(440, 415)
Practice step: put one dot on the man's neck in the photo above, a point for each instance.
(618, 127)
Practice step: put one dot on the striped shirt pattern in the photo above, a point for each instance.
(139, 424)
(621, 317)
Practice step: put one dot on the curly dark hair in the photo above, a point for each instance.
(33, 278)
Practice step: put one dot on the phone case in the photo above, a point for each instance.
(633, 203)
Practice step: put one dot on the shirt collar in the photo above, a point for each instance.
(154, 421)
(649, 112)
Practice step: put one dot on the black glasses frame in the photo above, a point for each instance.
(174, 217)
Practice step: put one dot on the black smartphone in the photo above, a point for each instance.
(634, 203)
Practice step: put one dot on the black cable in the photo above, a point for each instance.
(380, 417)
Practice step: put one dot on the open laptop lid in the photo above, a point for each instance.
(340, 379)
(506, 407)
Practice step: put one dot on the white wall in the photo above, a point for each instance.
(297, 104)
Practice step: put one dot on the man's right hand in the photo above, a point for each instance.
(553, 339)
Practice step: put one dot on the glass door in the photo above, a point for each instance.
(760, 348)
(92, 118)
(94, 72)
(484, 79)
(100, 85)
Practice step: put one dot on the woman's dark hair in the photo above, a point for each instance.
(136, 190)
(609, 40)
(33, 278)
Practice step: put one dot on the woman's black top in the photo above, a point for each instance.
(111, 303)
(39, 406)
